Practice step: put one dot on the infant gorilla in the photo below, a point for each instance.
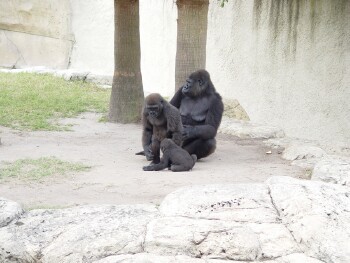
(174, 156)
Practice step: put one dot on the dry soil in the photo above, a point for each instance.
(116, 176)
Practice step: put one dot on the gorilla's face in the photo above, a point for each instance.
(195, 84)
(154, 110)
(154, 105)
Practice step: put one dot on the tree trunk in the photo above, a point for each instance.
(127, 92)
(191, 38)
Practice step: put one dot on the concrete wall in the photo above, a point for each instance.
(286, 61)
(35, 33)
(93, 27)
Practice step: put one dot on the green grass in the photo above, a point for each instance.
(36, 169)
(34, 102)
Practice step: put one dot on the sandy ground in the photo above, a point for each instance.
(116, 176)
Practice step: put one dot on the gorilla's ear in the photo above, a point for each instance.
(200, 82)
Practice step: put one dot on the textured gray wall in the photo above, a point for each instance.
(287, 62)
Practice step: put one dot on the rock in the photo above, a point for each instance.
(233, 109)
(76, 234)
(103, 80)
(305, 156)
(317, 214)
(218, 239)
(70, 74)
(284, 220)
(294, 258)
(245, 129)
(9, 211)
(232, 202)
(149, 258)
(298, 152)
(152, 258)
(236, 222)
(334, 169)
(284, 142)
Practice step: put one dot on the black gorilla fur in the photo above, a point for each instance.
(160, 120)
(174, 157)
(201, 110)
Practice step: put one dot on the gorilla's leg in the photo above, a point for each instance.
(178, 168)
(201, 148)
(156, 151)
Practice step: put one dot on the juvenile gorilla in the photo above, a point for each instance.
(201, 110)
(160, 120)
(174, 157)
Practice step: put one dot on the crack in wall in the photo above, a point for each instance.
(39, 35)
(18, 51)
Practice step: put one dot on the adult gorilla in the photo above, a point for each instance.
(201, 110)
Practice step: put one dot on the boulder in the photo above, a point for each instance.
(305, 156)
(236, 222)
(334, 169)
(104, 80)
(77, 234)
(233, 109)
(152, 258)
(283, 220)
(299, 152)
(149, 258)
(9, 211)
(317, 214)
(246, 129)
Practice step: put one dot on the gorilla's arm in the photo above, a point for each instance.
(147, 138)
(176, 100)
(174, 124)
(164, 163)
(212, 122)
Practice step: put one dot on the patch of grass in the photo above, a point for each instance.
(104, 118)
(34, 101)
(36, 169)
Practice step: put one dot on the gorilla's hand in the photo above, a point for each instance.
(148, 168)
(188, 132)
(148, 153)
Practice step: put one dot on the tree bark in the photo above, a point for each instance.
(191, 38)
(127, 91)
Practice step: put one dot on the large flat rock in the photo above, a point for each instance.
(247, 129)
(334, 169)
(152, 258)
(317, 214)
(9, 211)
(233, 202)
(284, 220)
(80, 234)
(236, 222)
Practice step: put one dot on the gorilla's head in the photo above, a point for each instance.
(197, 83)
(154, 104)
(166, 144)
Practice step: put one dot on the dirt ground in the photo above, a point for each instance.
(116, 176)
